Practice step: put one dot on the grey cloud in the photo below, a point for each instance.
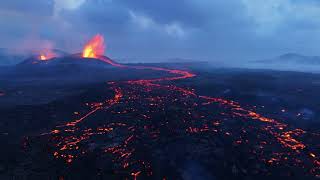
(207, 29)
(33, 7)
(168, 11)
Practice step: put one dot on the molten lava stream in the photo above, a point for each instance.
(124, 154)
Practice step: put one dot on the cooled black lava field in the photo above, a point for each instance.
(157, 121)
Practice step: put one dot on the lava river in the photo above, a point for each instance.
(152, 128)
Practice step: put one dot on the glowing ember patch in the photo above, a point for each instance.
(136, 174)
(94, 48)
(55, 154)
(43, 57)
(55, 131)
(312, 155)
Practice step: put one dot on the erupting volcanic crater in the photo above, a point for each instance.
(93, 52)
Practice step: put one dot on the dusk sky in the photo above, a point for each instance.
(230, 30)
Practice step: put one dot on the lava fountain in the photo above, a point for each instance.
(94, 48)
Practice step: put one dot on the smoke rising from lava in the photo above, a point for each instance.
(33, 46)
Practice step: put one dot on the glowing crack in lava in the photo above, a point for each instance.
(131, 133)
(94, 48)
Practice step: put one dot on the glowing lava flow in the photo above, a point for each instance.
(142, 126)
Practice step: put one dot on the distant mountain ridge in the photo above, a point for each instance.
(292, 58)
(287, 62)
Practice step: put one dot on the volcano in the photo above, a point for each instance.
(71, 68)
(71, 60)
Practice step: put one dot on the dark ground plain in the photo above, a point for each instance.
(172, 139)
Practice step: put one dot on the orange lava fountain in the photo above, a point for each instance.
(94, 48)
